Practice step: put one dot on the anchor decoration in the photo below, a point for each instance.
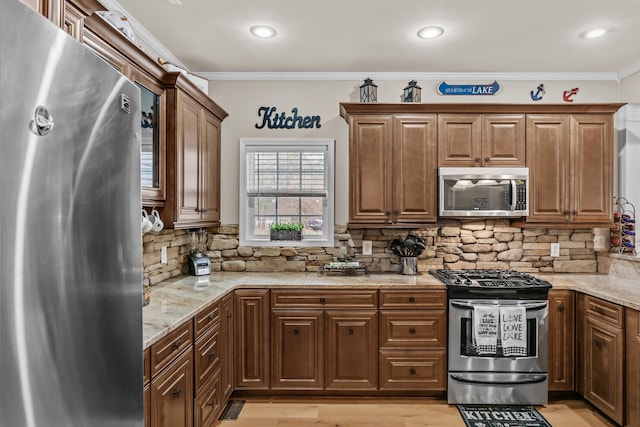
(540, 90)
(568, 94)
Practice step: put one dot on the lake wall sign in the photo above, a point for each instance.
(490, 89)
(272, 119)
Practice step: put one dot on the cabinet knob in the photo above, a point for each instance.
(478, 159)
(387, 213)
(597, 309)
(598, 343)
(412, 371)
(412, 299)
(177, 392)
(177, 344)
(412, 331)
(211, 317)
(350, 331)
(323, 300)
(229, 315)
(561, 308)
(296, 331)
(212, 355)
(486, 159)
(212, 404)
(574, 213)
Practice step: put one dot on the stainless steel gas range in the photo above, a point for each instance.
(497, 344)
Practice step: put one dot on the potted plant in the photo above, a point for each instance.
(286, 231)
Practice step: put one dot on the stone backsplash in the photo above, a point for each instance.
(455, 244)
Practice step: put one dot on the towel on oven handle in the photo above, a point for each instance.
(485, 328)
(513, 331)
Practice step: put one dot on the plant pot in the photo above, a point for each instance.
(285, 235)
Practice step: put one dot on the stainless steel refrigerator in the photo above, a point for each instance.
(70, 239)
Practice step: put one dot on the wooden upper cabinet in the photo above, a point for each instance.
(414, 169)
(370, 169)
(392, 169)
(492, 140)
(570, 160)
(50, 9)
(591, 168)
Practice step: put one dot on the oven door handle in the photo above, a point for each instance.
(530, 306)
(533, 380)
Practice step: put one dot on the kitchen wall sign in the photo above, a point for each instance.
(274, 120)
(447, 89)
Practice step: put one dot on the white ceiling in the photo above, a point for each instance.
(365, 36)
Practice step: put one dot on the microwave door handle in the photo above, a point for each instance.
(513, 194)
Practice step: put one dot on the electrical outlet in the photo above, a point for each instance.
(598, 243)
(555, 249)
(367, 248)
(163, 255)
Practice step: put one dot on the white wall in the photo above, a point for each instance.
(241, 99)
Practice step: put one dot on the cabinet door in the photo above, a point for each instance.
(297, 356)
(561, 340)
(207, 357)
(210, 169)
(226, 345)
(73, 21)
(188, 165)
(591, 169)
(503, 140)
(370, 169)
(51, 9)
(352, 350)
(414, 169)
(172, 394)
(146, 393)
(459, 140)
(632, 376)
(548, 162)
(413, 370)
(208, 404)
(251, 339)
(604, 350)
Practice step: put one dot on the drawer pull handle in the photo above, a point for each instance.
(229, 315)
(211, 317)
(323, 300)
(478, 159)
(486, 159)
(177, 392)
(561, 308)
(212, 355)
(597, 309)
(412, 331)
(350, 331)
(598, 343)
(412, 299)
(412, 371)
(296, 331)
(212, 404)
(177, 344)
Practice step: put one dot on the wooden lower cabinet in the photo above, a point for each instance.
(632, 376)
(209, 403)
(562, 311)
(297, 355)
(413, 370)
(601, 364)
(172, 394)
(146, 393)
(352, 350)
(251, 339)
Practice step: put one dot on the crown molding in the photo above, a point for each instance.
(626, 72)
(406, 76)
(143, 34)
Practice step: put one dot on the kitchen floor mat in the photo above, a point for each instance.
(232, 410)
(501, 416)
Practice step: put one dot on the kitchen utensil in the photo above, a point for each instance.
(396, 247)
(146, 222)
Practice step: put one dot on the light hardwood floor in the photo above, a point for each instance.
(348, 412)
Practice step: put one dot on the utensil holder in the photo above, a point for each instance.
(409, 265)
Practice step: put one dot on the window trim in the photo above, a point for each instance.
(326, 240)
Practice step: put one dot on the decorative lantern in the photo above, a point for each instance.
(412, 92)
(368, 91)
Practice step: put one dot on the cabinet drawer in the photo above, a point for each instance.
(208, 404)
(207, 356)
(413, 299)
(413, 328)
(206, 318)
(607, 311)
(165, 350)
(146, 365)
(413, 370)
(324, 299)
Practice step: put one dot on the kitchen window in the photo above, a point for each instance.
(286, 181)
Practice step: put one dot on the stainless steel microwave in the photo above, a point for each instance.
(483, 192)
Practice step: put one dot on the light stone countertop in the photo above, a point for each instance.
(178, 299)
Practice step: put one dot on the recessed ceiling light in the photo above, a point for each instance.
(596, 32)
(263, 31)
(430, 32)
